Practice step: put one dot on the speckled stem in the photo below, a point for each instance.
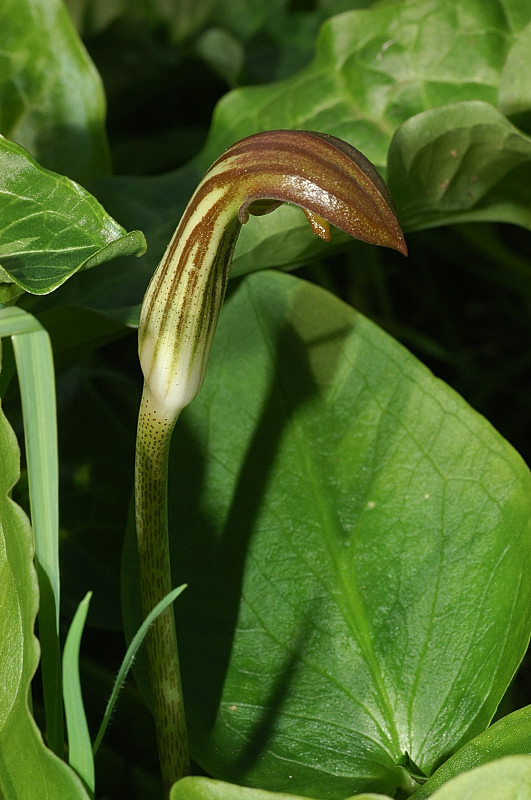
(153, 440)
(333, 183)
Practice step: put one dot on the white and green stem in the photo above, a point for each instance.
(333, 183)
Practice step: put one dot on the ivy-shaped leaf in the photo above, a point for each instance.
(348, 562)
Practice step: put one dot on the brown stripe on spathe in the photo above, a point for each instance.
(328, 164)
(326, 177)
(206, 226)
(195, 276)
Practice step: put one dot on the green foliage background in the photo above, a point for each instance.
(135, 107)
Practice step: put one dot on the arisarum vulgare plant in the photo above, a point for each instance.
(334, 184)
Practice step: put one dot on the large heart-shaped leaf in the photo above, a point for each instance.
(375, 68)
(51, 98)
(358, 559)
(50, 227)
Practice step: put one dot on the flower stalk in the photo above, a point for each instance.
(333, 183)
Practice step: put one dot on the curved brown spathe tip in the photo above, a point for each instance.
(328, 178)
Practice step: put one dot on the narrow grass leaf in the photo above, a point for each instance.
(129, 658)
(79, 748)
(26, 764)
(35, 369)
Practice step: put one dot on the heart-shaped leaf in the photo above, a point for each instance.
(375, 68)
(348, 614)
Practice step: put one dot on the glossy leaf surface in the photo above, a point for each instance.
(418, 54)
(50, 227)
(371, 522)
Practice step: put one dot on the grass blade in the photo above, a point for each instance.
(79, 747)
(34, 361)
(130, 657)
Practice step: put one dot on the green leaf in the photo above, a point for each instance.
(462, 162)
(348, 561)
(375, 68)
(50, 226)
(79, 747)
(207, 789)
(508, 779)
(51, 98)
(35, 368)
(515, 92)
(25, 762)
(511, 735)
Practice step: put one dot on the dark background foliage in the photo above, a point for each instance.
(461, 303)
